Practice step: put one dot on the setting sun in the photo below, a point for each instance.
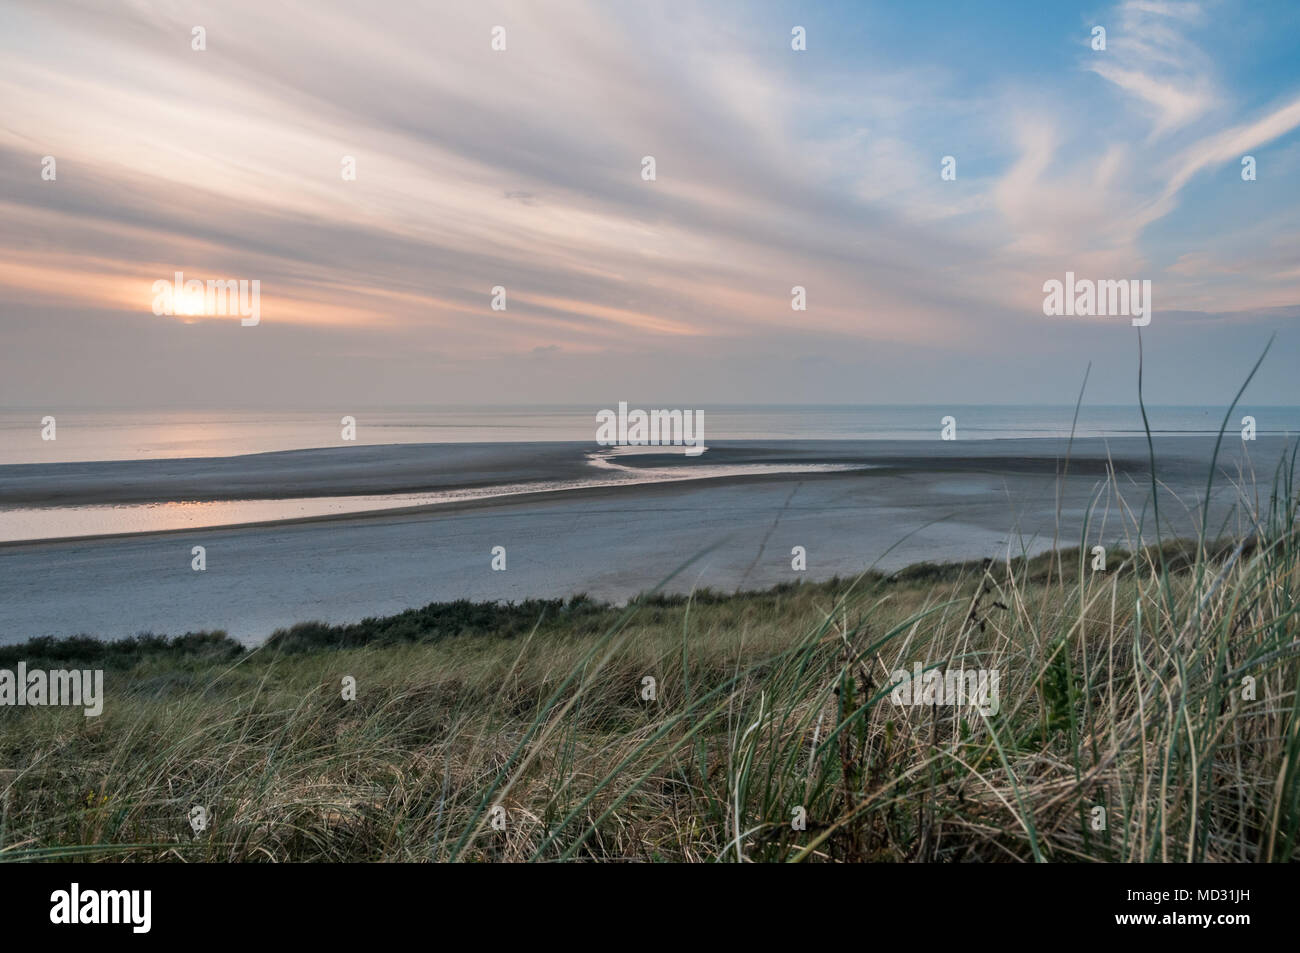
(191, 303)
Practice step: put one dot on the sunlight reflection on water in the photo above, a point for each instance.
(20, 524)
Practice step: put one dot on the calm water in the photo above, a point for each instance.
(131, 435)
(27, 523)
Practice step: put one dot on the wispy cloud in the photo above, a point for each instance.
(522, 168)
(1150, 58)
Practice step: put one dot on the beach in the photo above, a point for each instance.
(573, 520)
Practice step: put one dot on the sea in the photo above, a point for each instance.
(102, 434)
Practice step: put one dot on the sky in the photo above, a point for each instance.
(523, 167)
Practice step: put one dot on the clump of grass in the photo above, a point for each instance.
(88, 652)
(438, 621)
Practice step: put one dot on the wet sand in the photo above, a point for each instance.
(918, 501)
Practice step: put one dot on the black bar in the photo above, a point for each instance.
(305, 902)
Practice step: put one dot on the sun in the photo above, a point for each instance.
(190, 304)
